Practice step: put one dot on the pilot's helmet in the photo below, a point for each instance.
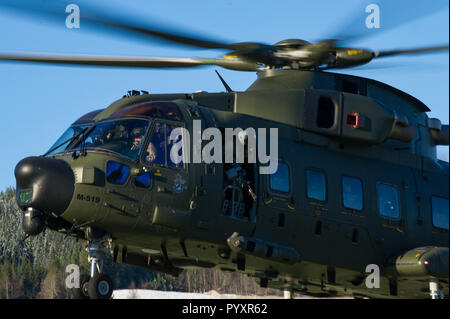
(120, 131)
(137, 131)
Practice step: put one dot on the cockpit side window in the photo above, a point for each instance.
(156, 152)
(161, 149)
(173, 153)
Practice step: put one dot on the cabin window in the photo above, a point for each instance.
(352, 193)
(162, 150)
(325, 112)
(279, 181)
(388, 203)
(315, 185)
(439, 208)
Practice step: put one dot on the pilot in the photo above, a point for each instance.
(99, 137)
(137, 137)
(115, 138)
(119, 132)
(134, 141)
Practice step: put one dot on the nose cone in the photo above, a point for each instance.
(45, 184)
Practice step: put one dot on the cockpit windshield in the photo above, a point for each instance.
(66, 139)
(122, 136)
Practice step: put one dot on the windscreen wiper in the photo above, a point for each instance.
(82, 137)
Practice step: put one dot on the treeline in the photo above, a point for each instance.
(35, 267)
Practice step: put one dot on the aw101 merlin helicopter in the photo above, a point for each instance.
(357, 182)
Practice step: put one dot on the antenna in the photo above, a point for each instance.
(227, 87)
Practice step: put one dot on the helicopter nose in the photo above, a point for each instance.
(45, 184)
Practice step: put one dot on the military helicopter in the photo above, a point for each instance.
(357, 182)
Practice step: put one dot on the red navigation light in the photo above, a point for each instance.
(352, 120)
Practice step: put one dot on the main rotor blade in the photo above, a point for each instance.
(410, 51)
(89, 60)
(391, 13)
(136, 62)
(55, 11)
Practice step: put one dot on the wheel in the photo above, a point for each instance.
(100, 287)
(82, 292)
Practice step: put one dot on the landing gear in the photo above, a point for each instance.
(99, 285)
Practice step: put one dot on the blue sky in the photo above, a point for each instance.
(39, 102)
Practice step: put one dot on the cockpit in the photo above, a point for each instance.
(124, 133)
